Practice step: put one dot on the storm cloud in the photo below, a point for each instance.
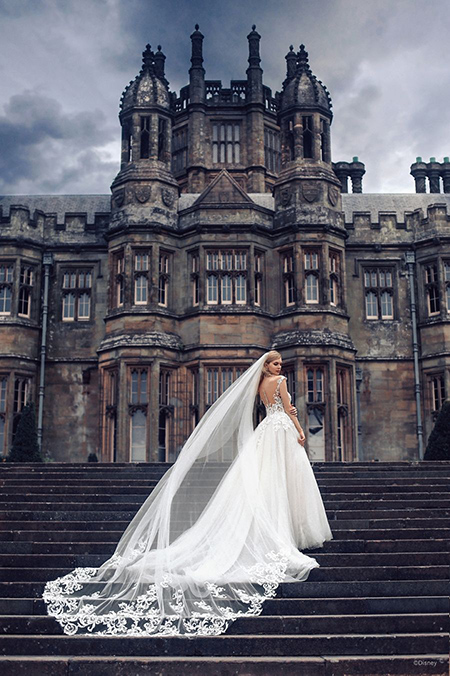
(64, 64)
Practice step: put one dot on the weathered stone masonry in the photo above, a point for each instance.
(229, 231)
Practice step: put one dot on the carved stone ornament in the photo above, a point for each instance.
(285, 197)
(310, 191)
(168, 197)
(119, 197)
(143, 193)
(333, 195)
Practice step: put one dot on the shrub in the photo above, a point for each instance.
(438, 447)
(25, 447)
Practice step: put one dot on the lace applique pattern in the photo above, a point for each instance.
(277, 406)
(142, 616)
(276, 415)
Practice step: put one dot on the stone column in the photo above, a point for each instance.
(357, 171)
(419, 172)
(445, 173)
(341, 169)
(197, 116)
(255, 116)
(434, 172)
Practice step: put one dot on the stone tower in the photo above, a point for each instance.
(145, 176)
(307, 185)
(308, 209)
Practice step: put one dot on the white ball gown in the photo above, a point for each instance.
(218, 534)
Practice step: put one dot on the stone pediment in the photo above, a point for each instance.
(223, 190)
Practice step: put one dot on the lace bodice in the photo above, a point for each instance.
(277, 405)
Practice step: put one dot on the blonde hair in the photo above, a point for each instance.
(271, 356)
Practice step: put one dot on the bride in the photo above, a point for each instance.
(218, 534)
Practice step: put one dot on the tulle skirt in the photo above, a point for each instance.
(246, 541)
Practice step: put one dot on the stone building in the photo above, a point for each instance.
(229, 232)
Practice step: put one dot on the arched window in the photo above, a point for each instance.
(3, 390)
(137, 407)
(111, 380)
(5, 300)
(145, 137)
(162, 138)
(138, 442)
(311, 263)
(68, 314)
(316, 411)
(312, 288)
(308, 136)
(379, 293)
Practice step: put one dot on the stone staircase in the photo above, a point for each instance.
(377, 605)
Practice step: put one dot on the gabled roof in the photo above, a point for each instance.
(223, 190)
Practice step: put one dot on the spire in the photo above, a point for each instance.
(302, 60)
(147, 59)
(297, 91)
(254, 58)
(291, 62)
(159, 61)
(197, 48)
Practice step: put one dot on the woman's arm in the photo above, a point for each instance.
(288, 407)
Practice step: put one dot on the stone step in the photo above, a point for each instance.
(331, 573)
(105, 545)
(269, 625)
(371, 559)
(341, 529)
(337, 466)
(141, 489)
(286, 606)
(357, 474)
(409, 486)
(386, 568)
(121, 495)
(104, 502)
(68, 511)
(228, 645)
(379, 665)
(27, 532)
(308, 589)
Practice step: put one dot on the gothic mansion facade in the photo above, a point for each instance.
(229, 232)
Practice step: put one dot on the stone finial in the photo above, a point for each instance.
(302, 60)
(147, 58)
(291, 62)
(253, 38)
(197, 48)
(159, 61)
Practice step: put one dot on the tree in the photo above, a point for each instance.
(25, 447)
(438, 447)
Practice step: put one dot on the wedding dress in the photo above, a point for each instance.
(218, 534)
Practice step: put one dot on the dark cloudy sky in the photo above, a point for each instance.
(64, 64)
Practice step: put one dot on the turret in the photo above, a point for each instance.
(145, 191)
(306, 170)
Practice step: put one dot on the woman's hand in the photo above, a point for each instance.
(301, 439)
(293, 411)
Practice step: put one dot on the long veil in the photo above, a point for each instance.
(203, 548)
